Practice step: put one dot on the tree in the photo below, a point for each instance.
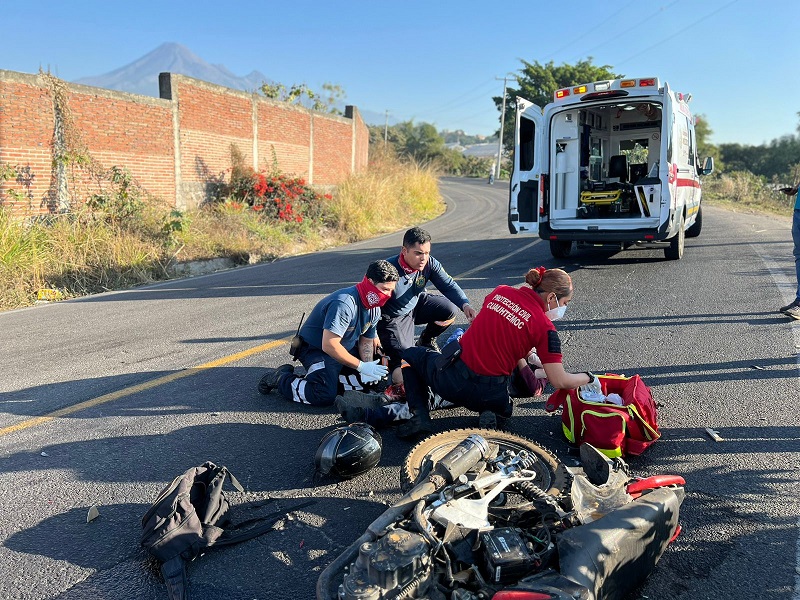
(323, 102)
(538, 83)
(420, 142)
(702, 133)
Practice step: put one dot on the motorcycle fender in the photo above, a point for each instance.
(613, 555)
(637, 487)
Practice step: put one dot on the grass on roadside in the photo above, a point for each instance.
(745, 191)
(83, 253)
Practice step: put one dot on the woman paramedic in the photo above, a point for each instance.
(474, 371)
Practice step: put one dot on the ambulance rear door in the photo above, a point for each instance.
(525, 192)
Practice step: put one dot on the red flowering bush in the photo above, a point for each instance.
(275, 195)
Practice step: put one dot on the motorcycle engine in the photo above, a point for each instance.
(397, 561)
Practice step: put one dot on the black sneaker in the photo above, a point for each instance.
(418, 425)
(351, 414)
(270, 380)
(491, 420)
(426, 342)
(785, 309)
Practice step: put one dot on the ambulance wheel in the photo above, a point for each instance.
(676, 244)
(552, 475)
(695, 229)
(560, 249)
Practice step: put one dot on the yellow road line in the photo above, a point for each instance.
(147, 385)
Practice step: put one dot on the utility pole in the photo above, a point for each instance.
(386, 129)
(502, 123)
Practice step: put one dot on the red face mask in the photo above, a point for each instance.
(404, 265)
(370, 295)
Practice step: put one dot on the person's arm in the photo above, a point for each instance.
(367, 348)
(469, 312)
(449, 288)
(561, 380)
(332, 346)
(535, 380)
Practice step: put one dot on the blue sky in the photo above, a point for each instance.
(437, 61)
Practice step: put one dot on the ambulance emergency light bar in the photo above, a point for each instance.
(600, 89)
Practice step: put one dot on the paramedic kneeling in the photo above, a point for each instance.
(340, 325)
(475, 373)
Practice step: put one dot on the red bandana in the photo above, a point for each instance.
(405, 267)
(370, 295)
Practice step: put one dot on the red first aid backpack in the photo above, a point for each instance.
(614, 430)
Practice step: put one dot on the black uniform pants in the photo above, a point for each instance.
(455, 383)
(397, 333)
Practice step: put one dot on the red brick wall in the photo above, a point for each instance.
(26, 132)
(210, 119)
(116, 129)
(331, 155)
(176, 147)
(287, 130)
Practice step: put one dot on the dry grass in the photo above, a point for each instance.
(79, 254)
(385, 198)
(743, 190)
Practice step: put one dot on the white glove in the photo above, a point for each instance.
(372, 371)
(593, 387)
(533, 359)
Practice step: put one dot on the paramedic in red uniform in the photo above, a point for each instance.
(510, 323)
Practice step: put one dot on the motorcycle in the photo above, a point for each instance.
(488, 514)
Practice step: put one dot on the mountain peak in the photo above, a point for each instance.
(141, 76)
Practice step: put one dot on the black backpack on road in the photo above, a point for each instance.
(189, 516)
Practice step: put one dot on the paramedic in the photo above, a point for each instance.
(511, 322)
(411, 305)
(793, 309)
(339, 325)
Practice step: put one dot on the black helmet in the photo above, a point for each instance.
(349, 451)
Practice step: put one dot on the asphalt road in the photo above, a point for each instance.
(104, 400)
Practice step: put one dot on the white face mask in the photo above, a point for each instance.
(554, 314)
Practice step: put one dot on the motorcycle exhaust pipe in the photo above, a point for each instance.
(456, 463)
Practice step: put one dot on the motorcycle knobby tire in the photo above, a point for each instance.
(552, 475)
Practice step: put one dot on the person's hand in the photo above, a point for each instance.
(533, 359)
(469, 312)
(371, 371)
(593, 386)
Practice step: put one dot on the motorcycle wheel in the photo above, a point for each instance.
(552, 475)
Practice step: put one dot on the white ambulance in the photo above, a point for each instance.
(608, 163)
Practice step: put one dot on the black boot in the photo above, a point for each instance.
(418, 425)
(428, 337)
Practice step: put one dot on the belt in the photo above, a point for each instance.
(481, 378)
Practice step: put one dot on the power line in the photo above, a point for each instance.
(700, 20)
(631, 28)
(460, 100)
(585, 33)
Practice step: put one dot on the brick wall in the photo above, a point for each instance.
(177, 147)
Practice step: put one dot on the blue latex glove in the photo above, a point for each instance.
(372, 371)
(593, 387)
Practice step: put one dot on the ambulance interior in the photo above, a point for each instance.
(605, 161)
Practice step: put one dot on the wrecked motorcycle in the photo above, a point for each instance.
(488, 514)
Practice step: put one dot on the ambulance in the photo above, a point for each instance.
(608, 163)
